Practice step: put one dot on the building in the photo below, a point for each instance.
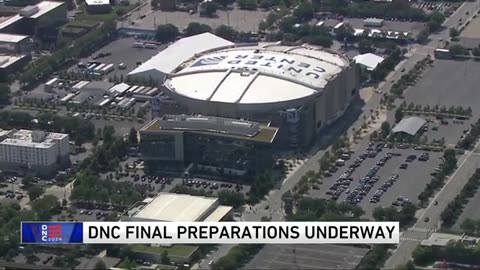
(368, 61)
(211, 145)
(98, 6)
(172, 207)
(373, 22)
(15, 44)
(410, 125)
(40, 21)
(443, 239)
(299, 89)
(11, 64)
(38, 152)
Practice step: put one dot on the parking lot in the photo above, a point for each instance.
(240, 20)
(461, 88)
(307, 257)
(379, 177)
(121, 51)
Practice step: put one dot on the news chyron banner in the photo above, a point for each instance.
(210, 232)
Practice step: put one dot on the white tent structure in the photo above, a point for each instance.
(368, 61)
(169, 59)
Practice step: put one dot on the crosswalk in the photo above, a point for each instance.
(410, 239)
(424, 230)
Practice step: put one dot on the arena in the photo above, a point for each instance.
(300, 89)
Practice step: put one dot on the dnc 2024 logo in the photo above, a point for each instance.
(51, 233)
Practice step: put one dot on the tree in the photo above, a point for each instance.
(385, 129)
(99, 265)
(476, 51)
(247, 4)
(398, 115)
(166, 33)
(4, 93)
(35, 192)
(321, 40)
(28, 180)
(226, 32)
(457, 49)
(208, 8)
(454, 33)
(304, 11)
(365, 46)
(234, 199)
(469, 226)
(195, 28)
(435, 22)
(165, 259)
(132, 136)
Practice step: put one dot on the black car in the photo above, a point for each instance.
(404, 166)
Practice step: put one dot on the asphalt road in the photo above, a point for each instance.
(421, 230)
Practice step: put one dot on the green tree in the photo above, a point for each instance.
(247, 4)
(385, 129)
(132, 136)
(166, 33)
(454, 33)
(209, 8)
(435, 22)
(457, 49)
(226, 32)
(195, 28)
(4, 93)
(321, 40)
(234, 199)
(165, 259)
(304, 11)
(398, 115)
(469, 226)
(100, 265)
(35, 192)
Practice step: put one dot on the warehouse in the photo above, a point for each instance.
(170, 207)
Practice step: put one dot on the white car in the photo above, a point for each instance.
(210, 262)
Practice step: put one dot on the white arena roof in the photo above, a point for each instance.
(368, 60)
(181, 208)
(169, 59)
(257, 74)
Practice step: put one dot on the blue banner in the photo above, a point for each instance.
(52, 232)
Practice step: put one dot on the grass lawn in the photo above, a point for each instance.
(174, 250)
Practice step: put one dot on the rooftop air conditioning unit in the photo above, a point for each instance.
(28, 11)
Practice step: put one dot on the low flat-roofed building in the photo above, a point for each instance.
(213, 144)
(171, 207)
(368, 61)
(11, 64)
(98, 6)
(17, 44)
(442, 239)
